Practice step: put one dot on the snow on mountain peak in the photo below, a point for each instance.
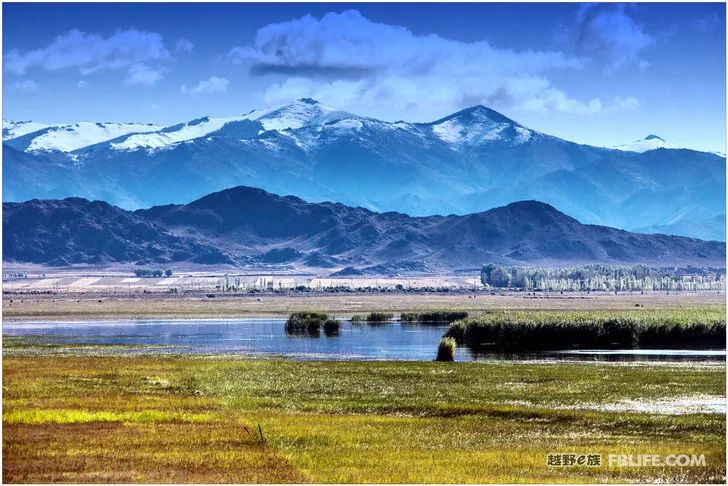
(478, 124)
(174, 134)
(67, 138)
(650, 142)
(300, 113)
(14, 129)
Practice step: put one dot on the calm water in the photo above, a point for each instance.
(267, 337)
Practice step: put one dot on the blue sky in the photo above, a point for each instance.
(602, 74)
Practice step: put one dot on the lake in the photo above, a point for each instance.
(391, 341)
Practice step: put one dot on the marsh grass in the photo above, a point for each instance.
(564, 330)
(379, 317)
(45, 416)
(342, 421)
(132, 452)
(433, 317)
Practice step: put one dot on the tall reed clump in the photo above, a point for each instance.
(310, 322)
(433, 317)
(332, 327)
(379, 317)
(446, 349)
(694, 334)
(567, 330)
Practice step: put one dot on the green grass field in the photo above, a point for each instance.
(72, 418)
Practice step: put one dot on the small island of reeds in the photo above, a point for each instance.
(533, 331)
(311, 322)
(433, 317)
(373, 317)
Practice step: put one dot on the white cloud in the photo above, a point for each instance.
(183, 45)
(27, 85)
(346, 60)
(551, 99)
(608, 34)
(348, 41)
(213, 84)
(90, 52)
(144, 75)
(82, 85)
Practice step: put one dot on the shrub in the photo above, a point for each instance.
(379, 317)
(331, 327)
(357, 318)
(305, 321)
(446, 349)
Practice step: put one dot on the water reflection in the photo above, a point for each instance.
(311, 332)
(610, 355)
(364, 341)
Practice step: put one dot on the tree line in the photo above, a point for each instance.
(603, 277)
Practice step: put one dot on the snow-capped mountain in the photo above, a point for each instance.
(650, 142)
(478, 125)
(14, 129)
(466, 162)
(474, 126)
(300, 113)
(67, 138)
(184, 132)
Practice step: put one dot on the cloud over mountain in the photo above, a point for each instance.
(348, 60)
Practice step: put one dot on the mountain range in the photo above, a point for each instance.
(246, 226)
(464, 163)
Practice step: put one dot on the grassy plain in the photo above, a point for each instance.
(85, 414)
(115, 306)
(71, 418)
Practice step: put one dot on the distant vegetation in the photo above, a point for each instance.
(603, 278)
(522, 331)
(14, 275)
(149, 273)
(311, 323)
(433, 317)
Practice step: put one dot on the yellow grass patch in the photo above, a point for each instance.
(35, 417)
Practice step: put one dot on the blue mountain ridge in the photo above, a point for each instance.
(467, 162)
